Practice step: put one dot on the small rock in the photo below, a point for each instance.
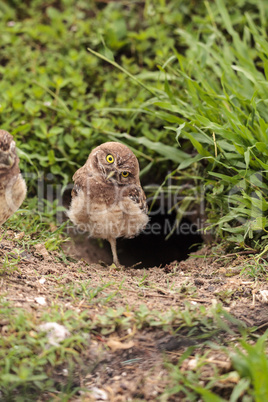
(192, 364)
(19, 236)
(263, 296)
(99, 394)
(40, 248)
(40, 300)
(55, 332)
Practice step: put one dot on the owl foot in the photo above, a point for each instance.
(116, 267)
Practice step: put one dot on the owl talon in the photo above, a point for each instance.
(118, 267)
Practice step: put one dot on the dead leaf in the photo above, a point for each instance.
(115, 344)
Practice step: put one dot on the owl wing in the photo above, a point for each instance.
(81, 181)
(137, 195)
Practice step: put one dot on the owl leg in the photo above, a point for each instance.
(114, 252)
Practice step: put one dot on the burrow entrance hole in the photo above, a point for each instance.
(153, 247)
(157, 246)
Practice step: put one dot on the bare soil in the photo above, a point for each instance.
(132, 366)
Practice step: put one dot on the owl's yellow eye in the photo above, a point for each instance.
(110, 158)
(125, 174)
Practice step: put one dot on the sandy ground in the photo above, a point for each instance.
(133, 366)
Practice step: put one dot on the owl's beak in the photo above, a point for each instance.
(6, 159)
(111, 174)
(10, 160)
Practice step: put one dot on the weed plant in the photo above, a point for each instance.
(216, 93)
(214, 100)
(199, 109)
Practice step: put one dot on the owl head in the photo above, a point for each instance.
(115, 163)
(7, 150)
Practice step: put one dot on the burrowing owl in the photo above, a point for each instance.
(107, 198)
(12, 185)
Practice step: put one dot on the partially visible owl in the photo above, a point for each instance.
(12, 185)
(107, 198)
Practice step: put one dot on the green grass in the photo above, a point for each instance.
(249, 364)
(38, 224)
(216, 94)
(26, 358)
(214, 101)
(82, 290)
(57, 99)
(183, 84)
(252, 364)
(30, 366)
(255, 268)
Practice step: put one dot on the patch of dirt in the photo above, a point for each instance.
(133, 366)
(93, 251)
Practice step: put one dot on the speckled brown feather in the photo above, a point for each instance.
(137, 195)
(87, 183)
(109, 206)
(5, 140)
(85, 179)
(5, 174)
(12, 185)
